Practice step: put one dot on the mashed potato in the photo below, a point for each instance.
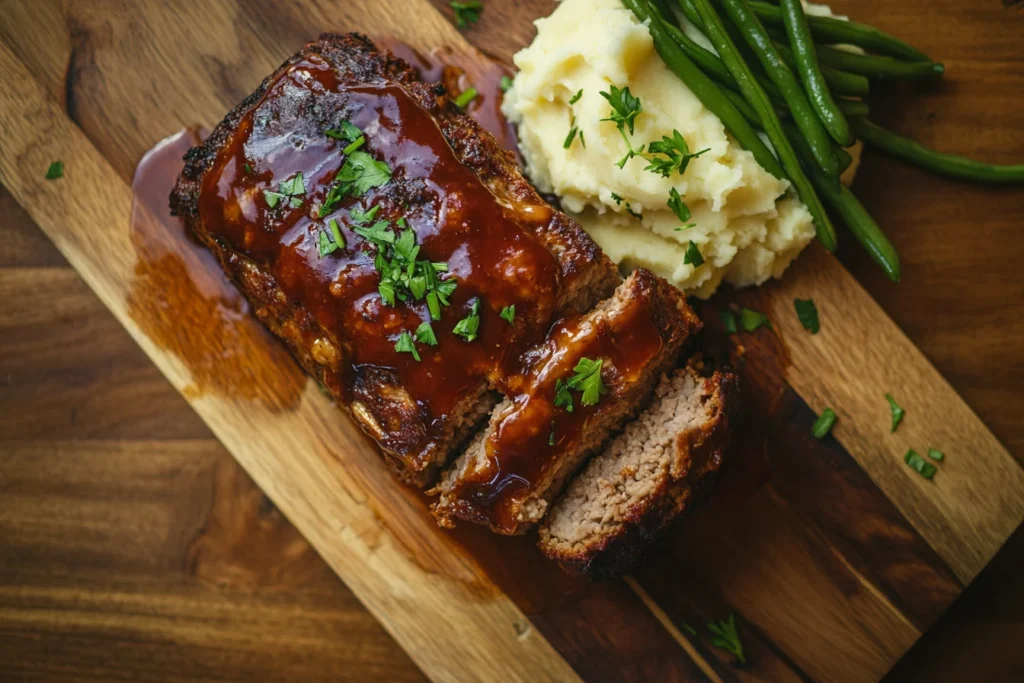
(747, 228)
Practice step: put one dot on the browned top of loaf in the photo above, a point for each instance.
(450, 183)
(532, 445)
(627, 496)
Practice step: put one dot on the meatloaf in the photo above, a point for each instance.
(386, 238)
(549, 424)
(627, 496)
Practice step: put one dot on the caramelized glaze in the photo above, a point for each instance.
(491, 250)
(520, 449)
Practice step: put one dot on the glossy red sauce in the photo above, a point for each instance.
(520, 450)
(494, 256)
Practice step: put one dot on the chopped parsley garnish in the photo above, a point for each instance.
(508, 313)
(354, 145)
(425, 334)
(675, 202)
(922, 466)
(629, 209)
(675, 155)
(807, 312)
(576, 97)
(361, 173)
(406, 345)
(551, 434)
(468, 327)
(725, 636)
(56, 170)
(465, 97)
(823, 425)
(587, 380)
(625, 109)
(693, 256)
(505, 83)
(936, 455)
(751, 320)
(379, 233)
(291, 189)
(563, 399)
(328, 244)
(360, 217)
(247, 168)
(466, 13)
(346, 132)
(573, 128)
(729, 322)
(897, 412)
(571, 136)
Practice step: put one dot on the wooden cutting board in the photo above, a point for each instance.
(834, 555)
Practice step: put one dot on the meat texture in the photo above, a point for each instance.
(536, 440)
(271, 193)
(628, 496)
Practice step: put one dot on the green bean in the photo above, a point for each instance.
(843, 157)
(705, 89)
(807, 66)
(800, 108)
(949, 165)
(853, 108)
(874, 66)
(839, 82)
(830, 30)
(759, 101)
(841, 200)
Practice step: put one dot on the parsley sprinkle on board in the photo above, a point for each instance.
(896, 410)
(465, 97)
(936, 455)
(508, 314)
(725, 636)
(406, 345)
(693, 256)
(823, 425)
(291, 189)
(807, 312)
(919, 464)
(468, 327)
(466, 13)
(751, 320)
(55, 171)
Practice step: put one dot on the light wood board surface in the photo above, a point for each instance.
(377, 537)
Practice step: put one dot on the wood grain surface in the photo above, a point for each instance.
(227, 582)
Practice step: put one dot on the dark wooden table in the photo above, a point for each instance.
(133, 548)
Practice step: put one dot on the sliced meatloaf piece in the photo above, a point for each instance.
(309, 191)
(626, 497)
(545, 429)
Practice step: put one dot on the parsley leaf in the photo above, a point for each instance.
(425, 334)
(328, 244)
(922, 466)
(897, 412)
(823, 425)
(56, 170)
(505, 83)
(508, 313)
(807, 312)
(751, 320)
(676, 155)
(625, 107)
(468, 327)
(587, 379)
(324, 245)
(936, 455)
(465, 97)
(346, 132)
(406, 345)
(693, 256)
(290, 189)
(362, 172)
(675, 202)
(360, 217)
(570, 137)
(729, 322)
(725, 636)
(466, 13)
(576, 97)
(563, 399)
(379, 233)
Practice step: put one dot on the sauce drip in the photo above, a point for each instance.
(492, 251)
(520, 449)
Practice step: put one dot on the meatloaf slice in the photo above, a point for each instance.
(304, 193)
(627, 496)
(545, 429)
